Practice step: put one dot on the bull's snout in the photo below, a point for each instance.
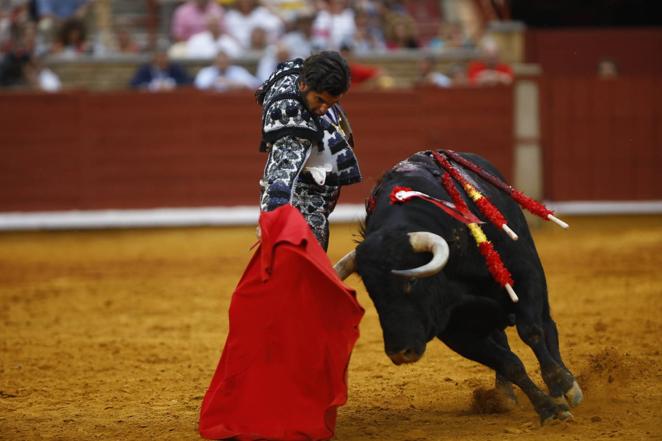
(404, 356)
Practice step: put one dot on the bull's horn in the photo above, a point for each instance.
(423, 241)
(346, 266)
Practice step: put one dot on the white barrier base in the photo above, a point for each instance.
(248, 215)
(157, 217)
(605, 207)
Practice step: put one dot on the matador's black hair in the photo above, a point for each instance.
(326, 71)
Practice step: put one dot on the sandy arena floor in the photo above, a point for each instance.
(115, 335)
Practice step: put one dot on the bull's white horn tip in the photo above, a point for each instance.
(511, 293)
(557, 221)
(510, 232)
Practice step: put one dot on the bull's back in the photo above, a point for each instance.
(421, 172)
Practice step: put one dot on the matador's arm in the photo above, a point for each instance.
(286, 160)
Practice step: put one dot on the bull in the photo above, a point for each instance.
(427, 279)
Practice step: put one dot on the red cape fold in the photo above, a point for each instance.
(293, 325)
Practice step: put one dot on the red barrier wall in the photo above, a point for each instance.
(187, 149)
(602, 139)
(578, 51)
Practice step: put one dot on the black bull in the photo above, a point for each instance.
(461, 305)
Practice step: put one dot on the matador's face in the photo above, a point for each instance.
(318, 102)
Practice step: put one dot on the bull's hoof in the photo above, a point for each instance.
(574, 395)
(561, 402)
(562, 415)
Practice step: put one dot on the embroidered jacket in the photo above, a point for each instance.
(299, 142)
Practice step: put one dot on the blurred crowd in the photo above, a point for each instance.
(227, 30)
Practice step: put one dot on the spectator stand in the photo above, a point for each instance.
(114, 72)
(125, 31)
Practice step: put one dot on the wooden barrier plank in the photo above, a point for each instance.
(133, 150)
(596, 133)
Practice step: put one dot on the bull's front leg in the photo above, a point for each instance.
(486, 351)
(502, 384)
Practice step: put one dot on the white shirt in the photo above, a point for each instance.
(48, 81)
(321, 163)
(297, 44)
(203, 45)
(330, 31)
(438, 79)
(240, 26)
(235, 77)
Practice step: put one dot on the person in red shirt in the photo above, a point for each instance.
(364, 76)
(489, 70)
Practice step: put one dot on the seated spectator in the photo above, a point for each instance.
(14, 15)
(247, 15)
(18, 54)
(428, 76)
(368, 37)
(11, 67)
(160, 74)
(259, 39)
(54, 13)
(72, 39)
(450, 35)
(334, 25)
(125, 43)
(365, 76)
(193, 16)
(401, 33)
(208, 43)
(223, 76)
(16, 28)
(272, 57)
(299, 40)
(607, 69)
(489, 70)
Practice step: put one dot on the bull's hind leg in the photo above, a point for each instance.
(557, 377)
(574, 395)
(536, 328)
(486, 351)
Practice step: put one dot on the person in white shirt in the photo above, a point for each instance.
(223, 76)
(248, 15)
(298, 40)
(208, 43)
(429, 76)
(334, 26)
(272, 57)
